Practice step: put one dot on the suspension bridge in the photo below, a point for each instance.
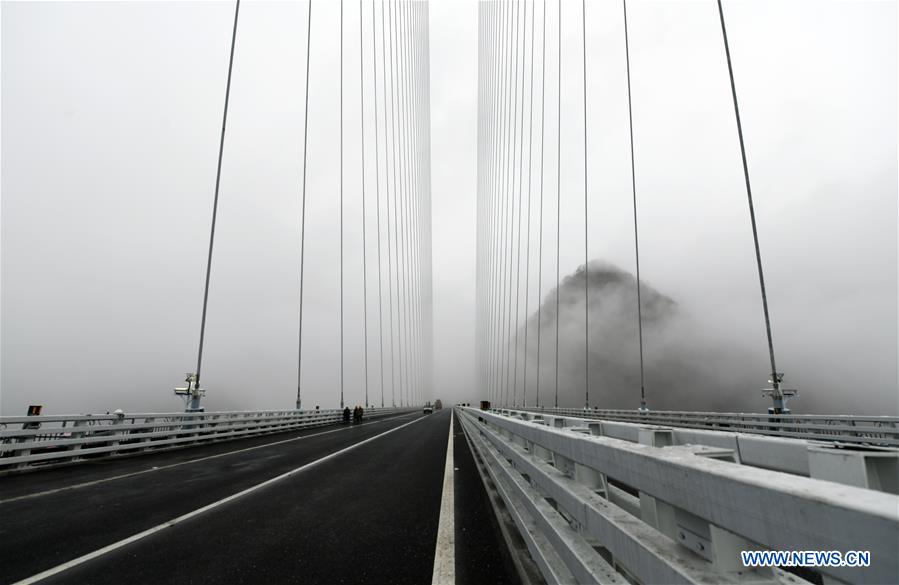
(525, 486)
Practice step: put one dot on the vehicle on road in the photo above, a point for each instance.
(428, 409)
(438, 405)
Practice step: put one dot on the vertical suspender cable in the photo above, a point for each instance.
(303, 203)
(527, 262)
(479, 213)
(341, 204)
(215, 199)
(404, 218)
(520, 189)
(503, 200)
(586, 231)
(630, 120)
(387, 187)
(490, 285)
(775, 376)
(404, 215)
(404, 178)
(511, 389)
(429, 281)
(494, 198)
(542, 148)
(374, 66)
(396, 243)
(495, 93)
(558, 202)
(364, 241)
(419, 194)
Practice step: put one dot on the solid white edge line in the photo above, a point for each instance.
(445, 552)
(78, 486)
(116, 545)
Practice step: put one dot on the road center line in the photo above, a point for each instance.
(140, 535)
(216, 456)
(445, 552)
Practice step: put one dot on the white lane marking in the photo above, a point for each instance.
(116, 545)
(445, 553)
(216, 456)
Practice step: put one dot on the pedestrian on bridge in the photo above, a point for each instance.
(346, 414)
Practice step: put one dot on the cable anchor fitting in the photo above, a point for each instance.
(192, 393)
(778, 395)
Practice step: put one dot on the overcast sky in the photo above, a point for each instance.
(111, 114)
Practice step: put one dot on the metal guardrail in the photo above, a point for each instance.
(30, 441)
(597, 509)
(871, 430)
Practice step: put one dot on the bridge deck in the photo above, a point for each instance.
(366, 511)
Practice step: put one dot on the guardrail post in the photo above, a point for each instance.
(655, 512)
(873, 469)
(118, 420)
(656, 437)
(77, 435)
(592, 478)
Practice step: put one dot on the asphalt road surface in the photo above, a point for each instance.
(343, 504)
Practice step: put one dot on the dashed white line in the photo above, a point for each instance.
(445, 552)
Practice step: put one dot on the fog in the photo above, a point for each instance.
(688, 364)
(111, 115)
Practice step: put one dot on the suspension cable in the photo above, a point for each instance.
(520, 189)
(630, 120)
(396, 195)
(502, 201)
(303, 204)
(374, 66)
(527, 262)
(511, 389)
(558, 202)
(586, 231)
(404, 189)
(775, 376)
(410, 197)
(387, 187)
(215, 199)
(364, 240)
(493, 226)
(542, 148)
(341, 205)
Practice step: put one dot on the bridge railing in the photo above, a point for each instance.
(874, 430)
(593, 508)
(29, 441)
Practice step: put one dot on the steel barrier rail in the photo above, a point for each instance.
(31, 441)
(776, 453)
(594, 508)
(870, 430)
